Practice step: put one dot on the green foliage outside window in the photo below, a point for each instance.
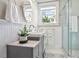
(45, 19)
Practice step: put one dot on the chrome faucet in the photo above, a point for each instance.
(31, 28)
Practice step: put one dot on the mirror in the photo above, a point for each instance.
(27, 11)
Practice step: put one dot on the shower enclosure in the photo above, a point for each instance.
(70, 31)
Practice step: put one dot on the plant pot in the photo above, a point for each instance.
(23, 39)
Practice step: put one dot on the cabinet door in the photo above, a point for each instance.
(41, 47)
(19, 52)
(35, 52)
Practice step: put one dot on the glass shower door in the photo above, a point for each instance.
(70, 28)
(65, 27)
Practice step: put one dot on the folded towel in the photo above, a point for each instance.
(12, 12)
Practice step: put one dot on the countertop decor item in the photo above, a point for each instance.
(23, 34)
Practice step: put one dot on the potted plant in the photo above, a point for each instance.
(23, 34)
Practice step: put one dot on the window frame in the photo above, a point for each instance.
(57, 14)
(50, 8)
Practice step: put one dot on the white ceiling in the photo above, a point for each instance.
(45, 0)
(20, 2)
(39, 1)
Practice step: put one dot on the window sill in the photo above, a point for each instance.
(48, 25)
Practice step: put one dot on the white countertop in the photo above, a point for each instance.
(30, 43)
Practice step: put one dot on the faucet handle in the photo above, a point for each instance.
(31, 28)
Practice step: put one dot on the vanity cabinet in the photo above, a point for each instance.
(32, 49)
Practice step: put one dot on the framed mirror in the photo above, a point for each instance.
(27, 11)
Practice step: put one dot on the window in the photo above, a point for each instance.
(48, 14)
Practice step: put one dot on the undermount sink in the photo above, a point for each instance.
(35, 34)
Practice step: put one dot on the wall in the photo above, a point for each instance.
(53, 31)
(53, 37)
(75, 7)
(55, 41)
(75, 20)
(34, 7)
(8, 31)
(2, 8)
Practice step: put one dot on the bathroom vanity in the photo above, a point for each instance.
(34, 48)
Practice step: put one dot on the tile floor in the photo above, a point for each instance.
(75, 53)
(55, 53)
